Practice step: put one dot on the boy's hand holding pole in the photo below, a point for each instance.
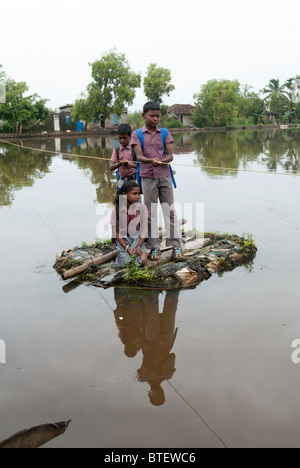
(129, 164)
(156, 162)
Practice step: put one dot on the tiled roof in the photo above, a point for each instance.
(181, 109)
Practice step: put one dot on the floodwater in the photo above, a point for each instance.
(226, 376)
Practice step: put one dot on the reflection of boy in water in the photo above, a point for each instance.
(129, 320)
(159, 336)
(141, 326)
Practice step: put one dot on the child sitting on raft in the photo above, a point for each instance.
(129, 222)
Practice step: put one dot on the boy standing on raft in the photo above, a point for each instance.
(123, 157)
(155, 154)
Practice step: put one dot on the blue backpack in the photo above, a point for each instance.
(140, 134)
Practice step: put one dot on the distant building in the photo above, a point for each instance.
(110, 124)
(61, 121)
(182, 112)
(67, 109)
(272, 116)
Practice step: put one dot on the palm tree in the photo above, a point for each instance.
(276, 95)
(290, 109)
(275, 90)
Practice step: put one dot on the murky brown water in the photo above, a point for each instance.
(92, 356)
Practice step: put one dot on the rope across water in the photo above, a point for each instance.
(173, 164)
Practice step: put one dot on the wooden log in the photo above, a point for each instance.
(85, 266)
(36, 436)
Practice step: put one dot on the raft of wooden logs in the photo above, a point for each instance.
(202, 257)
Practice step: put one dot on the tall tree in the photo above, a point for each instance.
(275, 89)
(276, 95)
(20, 109)
(81, 110)
(113, 86)
(217, 104)
(157, 83)
(251, 106)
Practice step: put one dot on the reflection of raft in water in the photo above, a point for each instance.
(215, 253)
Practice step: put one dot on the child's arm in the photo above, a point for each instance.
(138, 250)
(139, 154)
(115, 164)
(142, 159)
(122, 242)
(169, 158)
(155, 161)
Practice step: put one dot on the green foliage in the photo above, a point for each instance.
(217, 103)
(6, 127)
(279, 99)
(227, 103)
(134, 273)
(85, 278)
(81, 110)
(251, 107)
(135, 120)
(167, 120)
(174, 123)
(112, 88)
(19, 109)
(157, 83)
(248, 244)
(275, 93)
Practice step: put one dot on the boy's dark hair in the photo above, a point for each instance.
(151, 106)
(124, 129)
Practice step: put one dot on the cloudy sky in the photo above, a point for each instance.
(50, 44)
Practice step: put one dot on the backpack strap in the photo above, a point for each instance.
(164, 134)
(163, 131)
(133, 154)
(140, 135)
